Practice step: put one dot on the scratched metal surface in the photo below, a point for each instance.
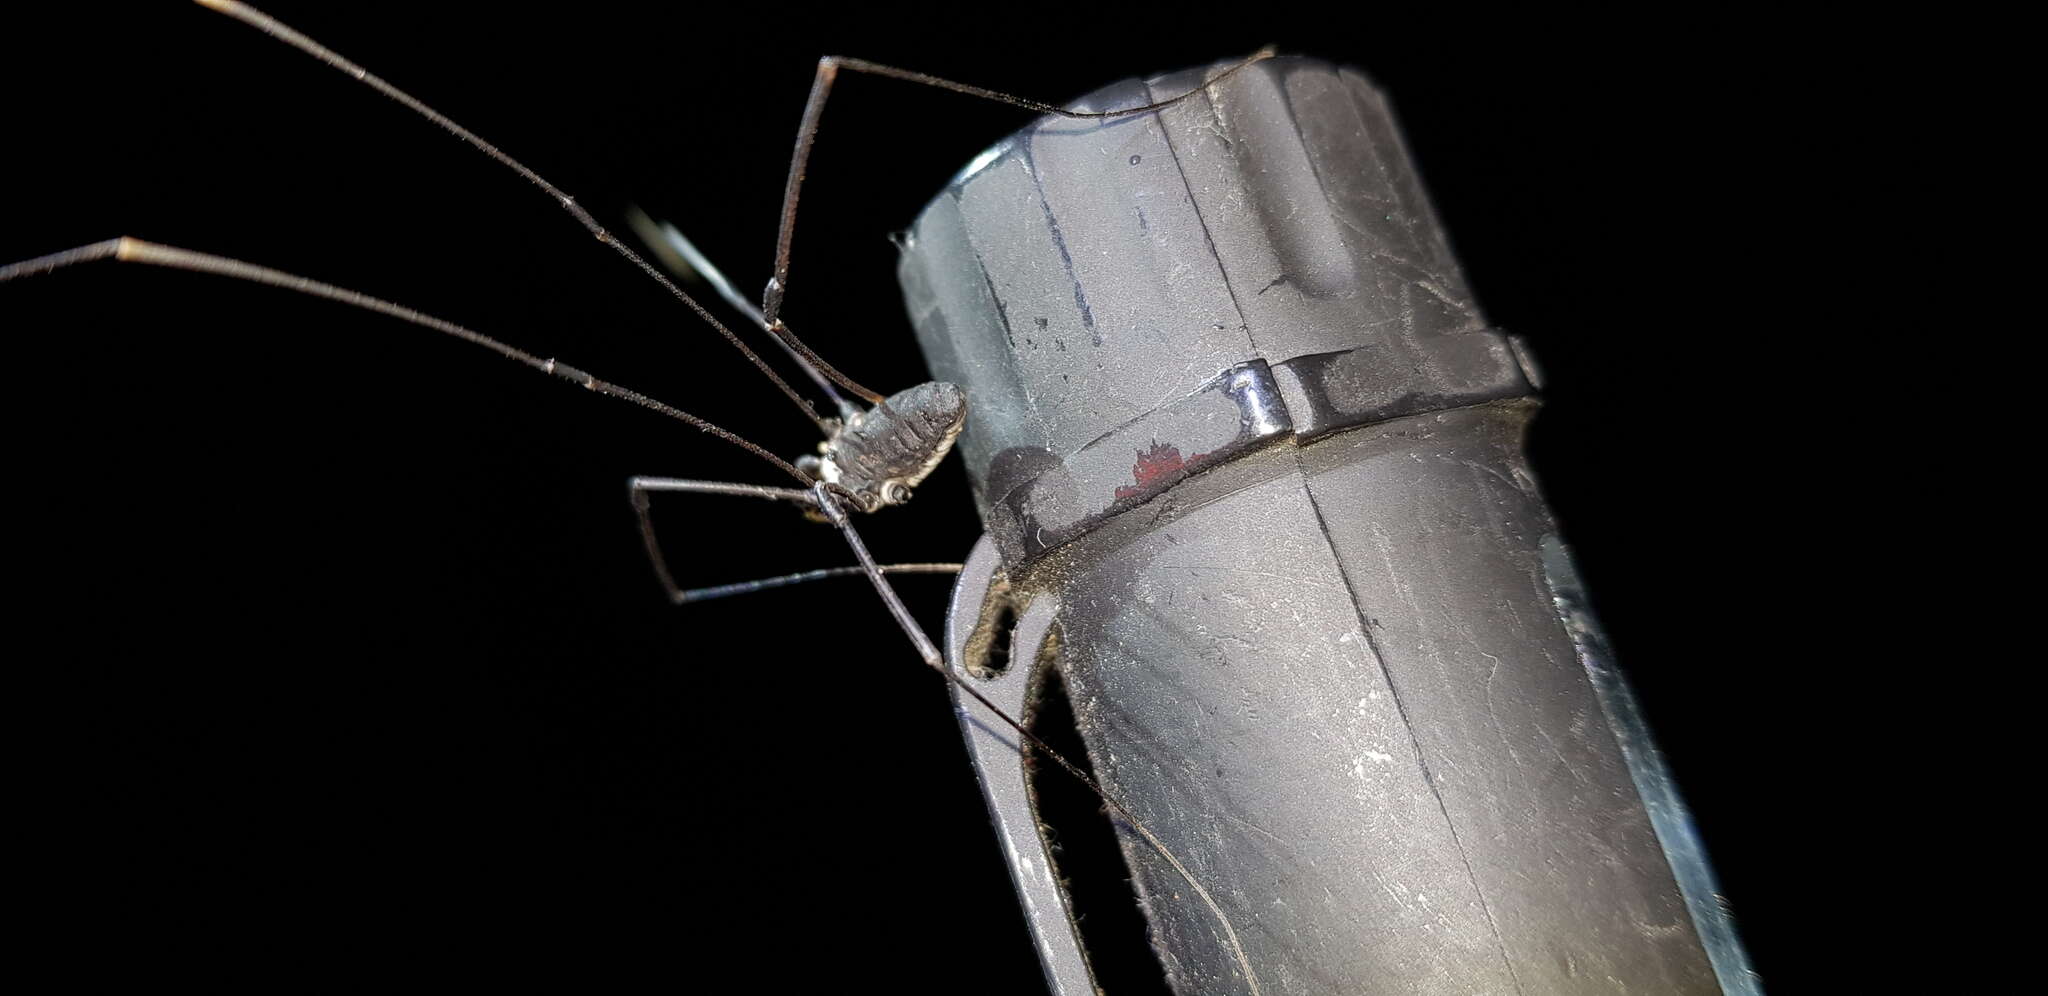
(1320, 659)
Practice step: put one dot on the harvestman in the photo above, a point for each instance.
(871, 458)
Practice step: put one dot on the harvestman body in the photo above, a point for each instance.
(871, 458)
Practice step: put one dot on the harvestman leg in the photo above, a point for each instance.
(807, 133)
(285, 33)
(641, 487)
(684, 259)
(825, 497)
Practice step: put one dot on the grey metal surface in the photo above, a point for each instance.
(1325, 666)
(1085, 274)
(1046, 502)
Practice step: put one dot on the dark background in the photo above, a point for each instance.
(347, 650)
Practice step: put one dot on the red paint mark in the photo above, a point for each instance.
(1159, 464)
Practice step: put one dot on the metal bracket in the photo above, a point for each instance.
(999, 759)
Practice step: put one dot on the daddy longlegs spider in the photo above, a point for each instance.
(307, 512)
(175, 257)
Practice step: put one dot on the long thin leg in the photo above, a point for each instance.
(129, 250)
(285, 33)
(640, 487)
(683, 258)
(827, 502)
(748, 587)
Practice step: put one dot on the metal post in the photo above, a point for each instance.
(1251, 466)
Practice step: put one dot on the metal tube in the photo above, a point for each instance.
(1251, 466)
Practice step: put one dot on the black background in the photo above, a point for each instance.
(347, 651)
